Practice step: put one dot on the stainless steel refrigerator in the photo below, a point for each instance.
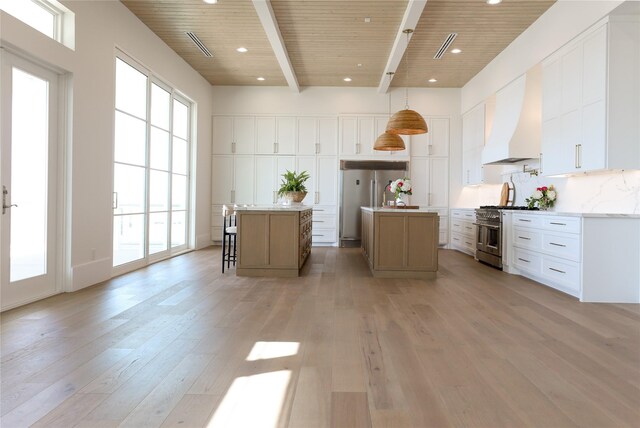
(363, 184)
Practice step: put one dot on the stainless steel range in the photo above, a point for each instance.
(489, 238)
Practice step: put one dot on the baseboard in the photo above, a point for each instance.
(90, 273)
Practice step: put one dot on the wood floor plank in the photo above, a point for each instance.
(178, 343)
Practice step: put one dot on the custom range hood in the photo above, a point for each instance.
(515, 134)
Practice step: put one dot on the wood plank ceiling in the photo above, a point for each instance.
(327, 39)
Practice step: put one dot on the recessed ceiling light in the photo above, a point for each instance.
(211, 1)
(367, 20)
(260, 78)
(494, 2)
(359, 65)
(432, 80)
(455, 51)
(243, 50)
(347, 79)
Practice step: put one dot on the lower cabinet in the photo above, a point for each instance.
(463, 230)
(592, 257)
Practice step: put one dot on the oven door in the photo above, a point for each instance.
(492, 239)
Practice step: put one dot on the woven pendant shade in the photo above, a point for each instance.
(389, 143)
(407, 122)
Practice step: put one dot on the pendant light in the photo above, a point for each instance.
(388, 142)
(407, 121)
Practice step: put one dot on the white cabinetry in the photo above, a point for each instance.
(359, 133)
(317, 135)
(430, 178)
(234, 179)
(275, 135)
(268, 175)
(233, 134)
(590, 106)
(473, 138)
(435, 142)
(463, 230)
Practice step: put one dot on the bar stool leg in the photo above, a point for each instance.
(224, 244)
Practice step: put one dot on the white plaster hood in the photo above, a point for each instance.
(515, 134)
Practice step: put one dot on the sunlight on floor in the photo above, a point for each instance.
(253, 401)
(267, 350)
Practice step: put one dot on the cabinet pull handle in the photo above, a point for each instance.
(233, 147)
(455, 239)
(579, 155)
(274, 196)
(358, 148)
(557, 270)
(233, 196)
(317, 148)
(318, 209)
(429, 149)
(468, 243)
(114, 202)
(275, 149)
(318, 221)
(523, 237)
(558, 224)
(429, 197)
(557, 245)
(526, 261)
(541, 163)
(317, 199)
(525, 220)
(576, 157)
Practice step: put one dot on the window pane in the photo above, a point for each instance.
(160, 104)
(158, 191)
(128, 238)
(131, 90)
(180, 119)
(130, 139)
(157, 232)
(179, 192)
(178, 228)
(31, 14)
(128, 183)
(29, 184)
(159, 151)
(180, 156)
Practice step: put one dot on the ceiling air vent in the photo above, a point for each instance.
(199, 44)
(447, 42)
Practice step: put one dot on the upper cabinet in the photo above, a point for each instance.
(433, 143)
(275, 135)
(233, 135)
(473, 137)
(359, 133)
(590, 105)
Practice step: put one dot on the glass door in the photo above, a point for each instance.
(28, 155)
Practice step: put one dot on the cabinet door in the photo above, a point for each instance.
(222, 143)
(592, 153)
(439, 130)
(327, 136)
(571, 139)
(475, 160)
(265, 172)
(438, 182)
(244, 134)
(552, 162)
(307, 135)
(551, 90)
(327, 180)
(265, 135)
(221, 179)
(466, 167)
(348, 135)
(243, 181)
(595, 67)
(308, 163)
(572, 79)
(366, 129)
(283, 164)
(420, 180)
(420, 143)
(286, 135)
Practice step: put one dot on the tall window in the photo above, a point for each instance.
(151, 167)
(49, 17)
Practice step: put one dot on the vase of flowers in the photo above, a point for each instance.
(400, 187)
(544, 197)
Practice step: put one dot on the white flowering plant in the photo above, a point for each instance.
(400, 186)
(543, 196)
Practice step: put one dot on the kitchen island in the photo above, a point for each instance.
(400, 243)
(273, 241)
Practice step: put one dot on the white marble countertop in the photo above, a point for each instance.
(399, 210)
(565, 214)
(273, 207)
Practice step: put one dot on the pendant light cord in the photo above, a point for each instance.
(406, 88)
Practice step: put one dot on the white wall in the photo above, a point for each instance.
(101, 26)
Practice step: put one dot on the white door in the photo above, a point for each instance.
(28, 156)
(439, 144)
(307, 135)
(265, 135)
(265, 180)
(243, 184)
(327, 183)
(420, 143)
(222, 135)
(348, 136)
(308, 164)
(438, 182)
(327, 136)
(222, 185)
(420, 180)
(244, 135)
(366, 137)
(286, 135)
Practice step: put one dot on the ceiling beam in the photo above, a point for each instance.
(270, 25)
(409, 21)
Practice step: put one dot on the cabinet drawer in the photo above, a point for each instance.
(527, 220)
(324, 221)
(324, 209)
(527, 261)
(527, 238)
(562, 245)
(563, 273)
(469, 215)
(456, 226)
(562, 224)
(320, 235)
(461, 241)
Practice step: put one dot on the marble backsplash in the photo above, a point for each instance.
(610, 192)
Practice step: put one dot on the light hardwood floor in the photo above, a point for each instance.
(180, 344)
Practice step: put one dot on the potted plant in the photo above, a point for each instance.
(293, 188)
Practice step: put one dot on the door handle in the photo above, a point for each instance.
(5, 192)
(233, 147)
